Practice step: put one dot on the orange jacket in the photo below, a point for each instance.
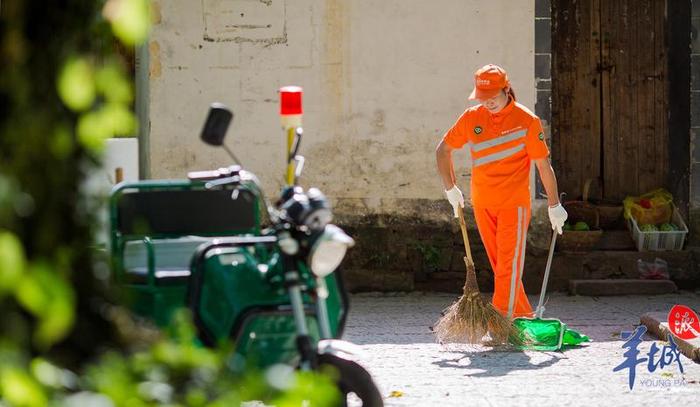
(502, 146)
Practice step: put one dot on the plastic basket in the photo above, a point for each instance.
(659, 240)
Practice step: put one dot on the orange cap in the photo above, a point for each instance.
(488, 81)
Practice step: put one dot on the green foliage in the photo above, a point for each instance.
(12, 261)
(171, 371)
(429, 253)
(21, 389)
(130, 19)
(49, 297)
(64, 89)
(76, 84)
(102, 95)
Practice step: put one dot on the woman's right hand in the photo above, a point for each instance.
(456, 199)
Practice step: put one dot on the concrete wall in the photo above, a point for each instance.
(383, 80)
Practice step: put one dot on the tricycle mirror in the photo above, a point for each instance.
(217, 123)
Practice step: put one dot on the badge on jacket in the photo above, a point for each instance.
(478, 130)
(541, 136)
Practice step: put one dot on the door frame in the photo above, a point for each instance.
(678, 30)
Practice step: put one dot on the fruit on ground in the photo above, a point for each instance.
(581, 226)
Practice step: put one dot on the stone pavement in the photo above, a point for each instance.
(401, 353)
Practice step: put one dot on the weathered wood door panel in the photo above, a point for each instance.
(621, 90)
(576, 99)
(634, 96)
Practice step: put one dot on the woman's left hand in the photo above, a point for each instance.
(557, 217)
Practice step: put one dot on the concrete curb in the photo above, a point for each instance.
(601, 287)
(657, 325)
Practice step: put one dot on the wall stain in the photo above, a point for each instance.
(154, 63)
(156, 16)
(265, 42)
(378, 121)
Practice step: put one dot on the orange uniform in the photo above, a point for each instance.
(502, 147)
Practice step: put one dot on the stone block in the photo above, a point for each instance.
(543, 36)
(543, 8)
(543, 66)
(543, 106)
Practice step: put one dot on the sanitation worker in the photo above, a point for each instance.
(503, 137)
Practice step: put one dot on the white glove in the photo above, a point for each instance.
(557, 216)
(456, 199)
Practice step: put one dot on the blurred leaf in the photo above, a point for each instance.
(131, 19)
(86, 398)
(12, 261)
(112, 119)
(93, 131)
(312, 388)
(55, 325)
(30, 295)
(10, 354)
(113, 83)
(253, 386)
(119, 119)
(196, 397)
(51, 375)
(20, 390)
(181, 357)
(156, 391)
(50, 298)
(112, 378)
(182, 328)
(280, 376)
(76, 85)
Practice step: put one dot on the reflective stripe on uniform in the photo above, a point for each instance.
(499, 155)
(499, 140)
(521, 269)
(514, 272)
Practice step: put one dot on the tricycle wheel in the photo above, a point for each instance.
(352, 378)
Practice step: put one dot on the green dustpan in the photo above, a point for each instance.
(545, 333)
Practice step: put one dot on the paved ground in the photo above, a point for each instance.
(401, 353)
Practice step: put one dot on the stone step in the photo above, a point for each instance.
(657, 325)
(596, 265)
(616, 240)
(604, 287)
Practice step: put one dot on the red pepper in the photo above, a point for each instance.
(645, 203)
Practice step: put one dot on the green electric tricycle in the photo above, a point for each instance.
(263, 276)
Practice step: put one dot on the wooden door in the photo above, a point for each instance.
(610, 95)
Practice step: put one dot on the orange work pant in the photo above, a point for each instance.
(504, 233)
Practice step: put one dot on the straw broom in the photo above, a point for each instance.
(470, 318)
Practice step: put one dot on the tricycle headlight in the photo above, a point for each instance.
(329, 250)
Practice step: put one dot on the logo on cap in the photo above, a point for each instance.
(541, 136)
(477, 130)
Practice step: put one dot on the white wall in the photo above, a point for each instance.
(382, 82)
